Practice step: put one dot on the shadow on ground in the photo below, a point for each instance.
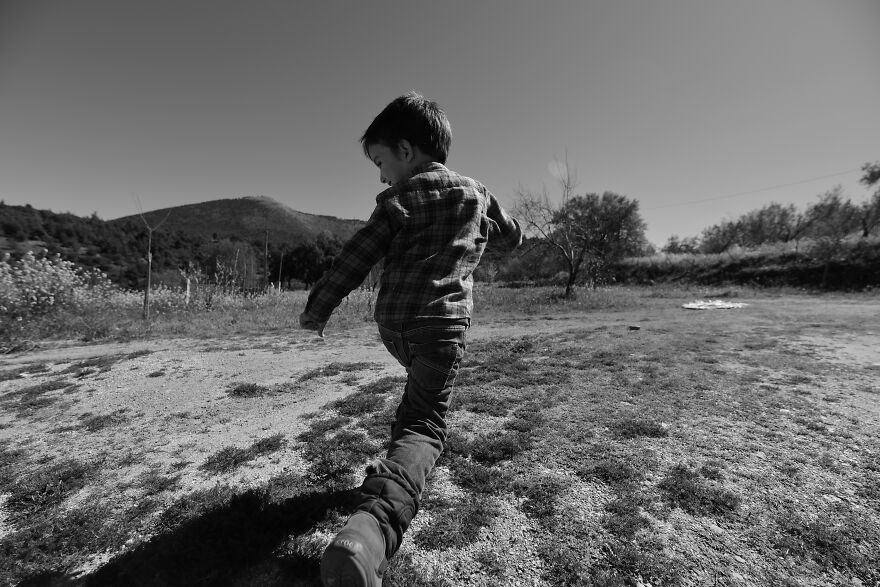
(240, 543)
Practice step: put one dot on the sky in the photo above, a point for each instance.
(701, 110)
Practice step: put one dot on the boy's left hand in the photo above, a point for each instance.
(306, 322)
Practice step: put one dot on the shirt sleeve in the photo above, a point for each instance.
(504, 231)
(351, 266)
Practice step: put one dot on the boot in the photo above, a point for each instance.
(356, 556)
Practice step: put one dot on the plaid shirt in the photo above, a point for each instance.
(431, 230)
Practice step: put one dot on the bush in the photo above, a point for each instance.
(34, 286)
(45, 297)
(854, 265)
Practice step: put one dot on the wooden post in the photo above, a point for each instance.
(280, 264)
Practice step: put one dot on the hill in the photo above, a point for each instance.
(193, 233)
(246, 219)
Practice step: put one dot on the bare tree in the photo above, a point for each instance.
(150, 230)
(541, 218)
(588, 232)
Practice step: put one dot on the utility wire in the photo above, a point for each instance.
(767, 189)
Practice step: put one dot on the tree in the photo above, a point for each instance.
(833, 216)
(150, 230)
(869, 211)
(588, 232)
(720, 237)
(832, 219)
(311, 259)
(676, 245)
(872, 173)
(771, 224)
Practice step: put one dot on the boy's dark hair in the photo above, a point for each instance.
(414, 118)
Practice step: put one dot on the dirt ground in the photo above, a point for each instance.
(174, 393)
(173, 408)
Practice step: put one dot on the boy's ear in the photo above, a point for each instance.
(405, 150)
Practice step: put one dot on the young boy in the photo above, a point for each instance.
(431, 227)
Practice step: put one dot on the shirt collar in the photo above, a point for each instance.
(423, 168)
(429, 166)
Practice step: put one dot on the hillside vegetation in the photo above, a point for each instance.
(210, 237)
(853, 265)
(247, 244)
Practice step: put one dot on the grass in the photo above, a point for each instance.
(634, 427)
(8, 457)
(688, 490)
(539, 497)
(359, 403)
(94, 423)
(476, 477)
(153, 482)
(34, 397)
(839, 538)
(653, 456)
(456, 524)
(492, 449)
(58, 540)
(33, 369)
(613, 471)
(248, 390)
(46, 487)
(335, 368)
(625, 515)
(98, 365)
(230, 458)
(334, 458)
(383, 385)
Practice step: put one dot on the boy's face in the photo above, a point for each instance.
(394, 165)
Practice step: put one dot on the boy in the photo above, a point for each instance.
(431, 227)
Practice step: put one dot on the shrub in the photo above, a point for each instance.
(231, 457)
(37, 285)
(458, 525)
(688, 490)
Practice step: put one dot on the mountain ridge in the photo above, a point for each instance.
(197, 233)
(246, 218)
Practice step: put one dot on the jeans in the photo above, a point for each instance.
(431, 351)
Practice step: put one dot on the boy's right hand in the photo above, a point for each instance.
(306, 322)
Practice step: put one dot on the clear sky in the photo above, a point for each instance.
(668, 102)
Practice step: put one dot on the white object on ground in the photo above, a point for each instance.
(713, 305)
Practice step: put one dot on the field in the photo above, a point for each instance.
(616, 439)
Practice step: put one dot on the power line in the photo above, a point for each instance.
(767, 189)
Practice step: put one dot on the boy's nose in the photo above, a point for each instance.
(382, 179)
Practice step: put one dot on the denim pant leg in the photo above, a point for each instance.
(431, 351)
